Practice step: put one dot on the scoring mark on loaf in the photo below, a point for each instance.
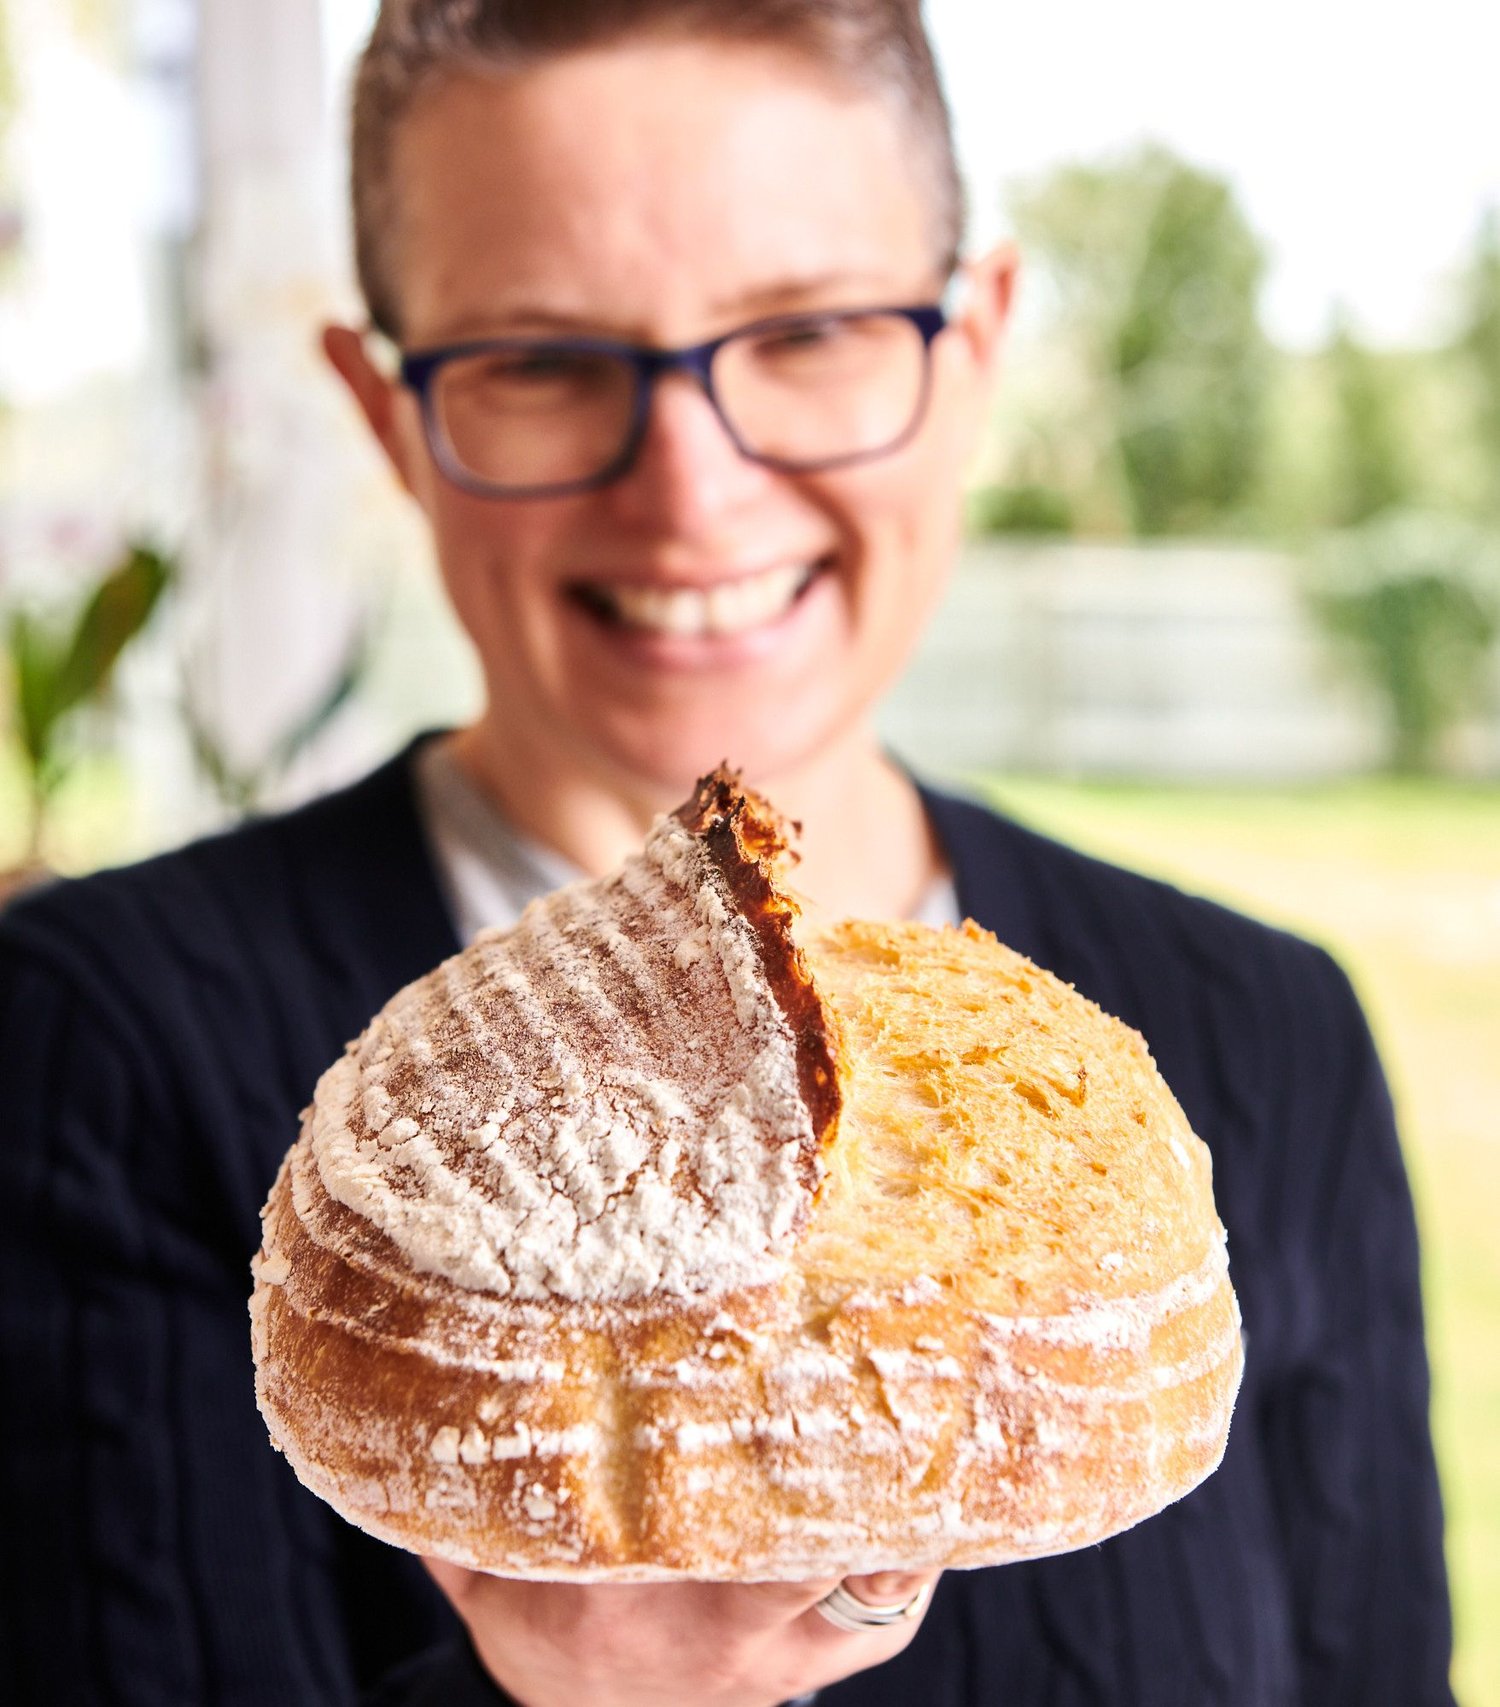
(1012, 1412)
(1122, 1323)
(449, 1444)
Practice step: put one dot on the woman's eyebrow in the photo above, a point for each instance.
(532, 319)
(519, 322)
(797, 288)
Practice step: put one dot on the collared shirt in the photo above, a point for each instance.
(489, 869)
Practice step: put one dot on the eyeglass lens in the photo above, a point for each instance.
(803, 392)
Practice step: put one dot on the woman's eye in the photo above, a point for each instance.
(802, 336)
(535, 366)
(530, 378)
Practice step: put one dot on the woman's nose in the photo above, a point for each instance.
(688, 469)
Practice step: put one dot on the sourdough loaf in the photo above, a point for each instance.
(648, 1239)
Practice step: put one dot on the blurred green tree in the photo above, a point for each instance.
(1372, 468)
(1479, 343)
(1153, 266)
(1026, 507)
(1411, 602)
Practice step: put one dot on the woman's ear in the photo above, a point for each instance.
(378, 397)
(987, 286)
(986, 292)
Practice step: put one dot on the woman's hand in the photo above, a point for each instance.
(668, 1644)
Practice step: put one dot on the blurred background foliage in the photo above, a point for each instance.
(1152, 277)
(1413, 601)
(1152, 402)
(61, 665)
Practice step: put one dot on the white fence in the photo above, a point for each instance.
(1190, 662)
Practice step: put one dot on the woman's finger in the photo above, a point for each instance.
(889, 1588)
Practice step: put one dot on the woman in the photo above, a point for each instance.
(687, 378)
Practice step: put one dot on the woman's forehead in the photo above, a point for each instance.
(653, 182)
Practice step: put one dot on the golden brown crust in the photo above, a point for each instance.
(1005, 1327)
(747, 840)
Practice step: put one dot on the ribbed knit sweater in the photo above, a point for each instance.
(160, 1028)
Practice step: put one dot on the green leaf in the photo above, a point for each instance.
(36, 662)
(120, 607)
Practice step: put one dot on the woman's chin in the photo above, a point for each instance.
(669, 756)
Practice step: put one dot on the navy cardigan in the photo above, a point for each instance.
(160, 1028)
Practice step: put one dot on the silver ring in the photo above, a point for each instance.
(847, 1612)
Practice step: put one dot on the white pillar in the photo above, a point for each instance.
(274, 599)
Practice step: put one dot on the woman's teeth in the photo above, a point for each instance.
(732, 607)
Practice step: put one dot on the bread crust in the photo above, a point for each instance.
(1003, 1327)
(748, 843)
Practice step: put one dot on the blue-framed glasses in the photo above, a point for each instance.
(542, 417)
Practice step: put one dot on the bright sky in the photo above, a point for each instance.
(1363, 135)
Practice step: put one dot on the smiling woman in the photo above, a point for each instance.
(685, 398)
(682, 600)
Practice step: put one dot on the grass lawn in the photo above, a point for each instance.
(1402, 882)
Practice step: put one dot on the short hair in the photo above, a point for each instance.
(879, 46)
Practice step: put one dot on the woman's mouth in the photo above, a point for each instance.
(738, 605)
